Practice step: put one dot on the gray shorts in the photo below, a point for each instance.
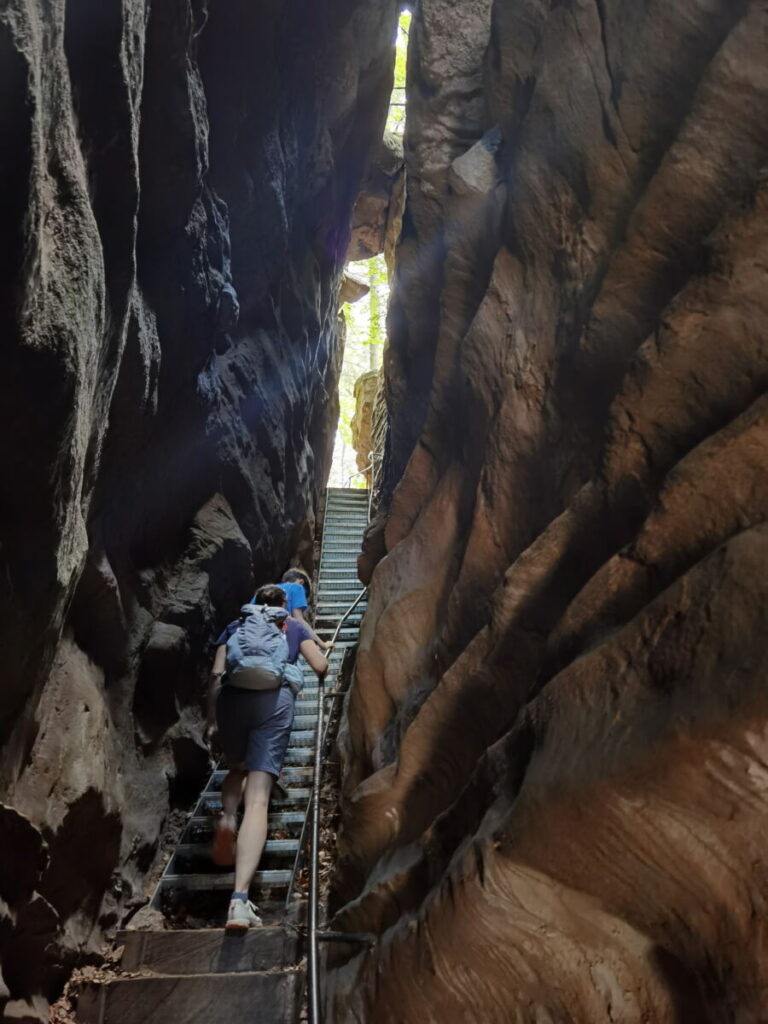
(254, 726)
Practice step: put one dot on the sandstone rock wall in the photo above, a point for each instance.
(176, 187)
(378, 212)
(367, 388)
(555, 744)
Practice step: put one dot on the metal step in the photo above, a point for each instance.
(290, 775)
(272, 846)
(297, 797)
(353, 620)
(222, 882)
(300, 755)
(335, 609)
(341, 591)
(339, 604)
(282, 819)
(302, 722)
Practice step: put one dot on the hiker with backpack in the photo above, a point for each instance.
(251, 697)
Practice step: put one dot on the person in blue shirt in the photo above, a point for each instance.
(296, 586)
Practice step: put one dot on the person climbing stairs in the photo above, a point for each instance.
(196, 973)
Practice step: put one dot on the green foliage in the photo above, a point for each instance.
(366, 318)
(396, 118)
(366, 334)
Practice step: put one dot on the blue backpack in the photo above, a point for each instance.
(257, 652)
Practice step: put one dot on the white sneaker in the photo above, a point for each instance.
(242, 916)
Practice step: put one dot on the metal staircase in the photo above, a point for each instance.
(201, 975)
(191, 885)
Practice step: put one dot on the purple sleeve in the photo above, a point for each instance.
(297, 634)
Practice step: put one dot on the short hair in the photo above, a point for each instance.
(298, 576)
(270, 594)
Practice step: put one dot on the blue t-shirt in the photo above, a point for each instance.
(296, 596)
(296, 633)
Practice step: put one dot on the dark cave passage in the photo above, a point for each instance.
(529, 318)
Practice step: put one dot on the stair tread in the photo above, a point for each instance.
(195, 999)
(277, 820)
(222, 881)
(208, 951)
(297, 773)
(204, 849)
(296, 795)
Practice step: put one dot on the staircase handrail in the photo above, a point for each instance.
(321, 696)
(313, 977)
(313, 810)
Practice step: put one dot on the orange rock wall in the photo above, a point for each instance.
(555, 746)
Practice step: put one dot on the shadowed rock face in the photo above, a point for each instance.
(555, 744)
(176, 188)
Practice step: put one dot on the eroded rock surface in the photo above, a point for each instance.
(367, 388)
(378, 213)
(554, 747)
(176, 187)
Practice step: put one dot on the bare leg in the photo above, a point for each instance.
(253, 830)
(223, 850)
(231, 795)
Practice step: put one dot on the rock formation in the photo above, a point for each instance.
(176, 188)
(554, 748)
(367, 388)
(378, 213)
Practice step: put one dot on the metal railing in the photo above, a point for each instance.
(370, 468)
(321, 696)
(315, 936)
(313, 978)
